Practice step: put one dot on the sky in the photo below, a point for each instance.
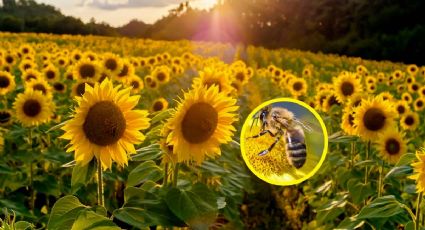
(119, 12)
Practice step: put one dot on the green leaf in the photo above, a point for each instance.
(410, 226)
(406, 159)
(350, 223)
(324, 187)
(196, 207)
(64, 212)
(81, 175)
(365, 163)
(359, 191)
(339, 137)
(399, 171)
(151, 152)
(382, 207)
(23, 225)
(161, 116)
(89, 220)
(132, 216)
(143, 172)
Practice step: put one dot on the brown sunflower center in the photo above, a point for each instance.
(409, 121)
(401, 109)
(347, 88)
(40, 87)
(297, 86)
(111, 64)
(199, 123)
(415, 87)
(31, 107)
(104, 124)
(81, 88)
(50, 74)
(240, 76)
(4, 117)
(4, 82)
(27, 66)
(351, 119)
(158, 106)
(212, 82)
(87, 71)
(152, 84)
(58, 86)
(124, 71)
(29, 77)
(374, 119)
(161, 76)
(135, 84)
(9, 59)
(392, 146)
(419, 104)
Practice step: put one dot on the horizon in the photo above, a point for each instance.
(118, 13)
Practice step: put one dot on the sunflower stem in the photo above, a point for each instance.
(165, 174)
(175, 174)
(366, 168)
(418, 211)
(353, 146)
(32, 191)
(381, 168)
(100, 198)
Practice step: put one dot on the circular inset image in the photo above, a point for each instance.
(284, 141)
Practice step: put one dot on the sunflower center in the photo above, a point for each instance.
(347, 88)
(158, 106)
(409, 121)
(401, 109)
(111, 64)
(31, 108)
(374, 119)
(58, 86)
(351, 119)
(9, 59)
(4, 117)
(40, 87)
(160, 76)
(50, 74)
(297, 86)
(87, 71)
(199, 123)
(240, 76)
(4, 82)
(135, 84)
(124, 71)
(415, 87)
(419, 103)
(30, 76)
(104, 124)
(392, 146)
(212, 82)
(81, 88)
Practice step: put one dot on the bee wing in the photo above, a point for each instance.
(306, 125)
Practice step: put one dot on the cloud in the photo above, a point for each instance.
(114, 5)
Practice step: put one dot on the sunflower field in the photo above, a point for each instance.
(118, 133)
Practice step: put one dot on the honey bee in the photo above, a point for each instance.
(278, 122)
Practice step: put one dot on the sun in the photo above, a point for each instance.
(205, 4)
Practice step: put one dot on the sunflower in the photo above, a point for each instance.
(10, 59)
(402, 107)
(5, 117)
(209, 76)
(409, 121)
(371, 88)
(86, 69)
(62, 61)
(419, 171)
(414, 87)
(345, 86)
(126, 71)
(410, 80)
(386, 96)
(33, 108)
(40, 85)
(151, 83)
(320, 98)
(355, 100)
(161, 74)
(401, 88)
(76, 55)
(240, 75)
(112, 64)
(59, 87)
(202, 121)
(412, 69)
(370, 80)
(26, 49)
(31, 74)
(90, 55)
(7, 82)
(78, 89)
(397, 74)
(391, 146)
(330, 101)
(27, 64)
(69, 74)
(168, 155)
(373, 117)
(136, 83)
(159, 104)
(407, 97)
(105, 125)
(51, 73)
(298, 87)
(421, 91)
(348, 121)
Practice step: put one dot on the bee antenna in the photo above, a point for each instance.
(255, 119)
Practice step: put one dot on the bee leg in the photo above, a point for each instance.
(261, 134)
(264, 152)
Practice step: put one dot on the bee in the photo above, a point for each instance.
(278, 122)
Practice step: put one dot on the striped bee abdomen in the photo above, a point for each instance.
(296, 152)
